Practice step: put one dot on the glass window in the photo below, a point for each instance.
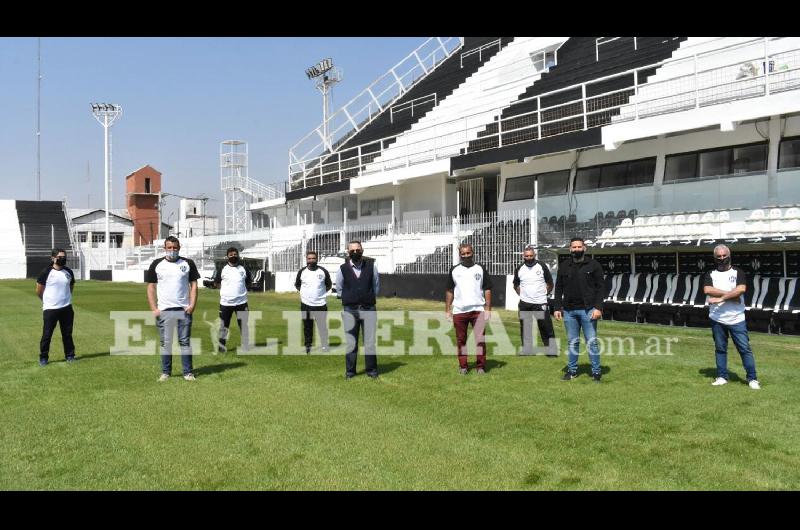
(554, 183)
(385, 207)
(717, 162)
(519, 188)
(366, 208)
(351, 203)
(587, 178)
(613, 175)
(641, 171)
(789, 154)
(749, 158)
(82, 237)
(679, 167)
(335, 210)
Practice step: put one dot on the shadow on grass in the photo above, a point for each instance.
(216, 368)
(712, 373)
(491, 364)
(385, 368)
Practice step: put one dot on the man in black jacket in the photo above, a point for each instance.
(357, 284)
(579, 298)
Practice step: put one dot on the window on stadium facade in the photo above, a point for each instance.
(552, 183)
(789, 153)
(734, 160)
(376, 207)
(628, 173)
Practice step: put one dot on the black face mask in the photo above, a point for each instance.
(577, 255)
(233, 260)
(312, 265)
(61, 261)
(530, 262)
(468, 262)
(722, 263)
(355, 255)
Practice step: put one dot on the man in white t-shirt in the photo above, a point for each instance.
(533, 282)
(725, 288)
(232, 280)
(172, 295)
(54, 287)
(313, 282)
(468, 300)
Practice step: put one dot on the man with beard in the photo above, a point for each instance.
(54, 287)
(313, 282)
(533, 282)
(579, 301)
(232, 280)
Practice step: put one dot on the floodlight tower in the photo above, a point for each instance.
(106, 114)
(326, 76)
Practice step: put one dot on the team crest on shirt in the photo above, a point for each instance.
(477, 276)
(184, 267)
(68, 276)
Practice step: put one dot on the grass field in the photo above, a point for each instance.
(293, 422)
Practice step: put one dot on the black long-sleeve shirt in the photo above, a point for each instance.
(579, 285)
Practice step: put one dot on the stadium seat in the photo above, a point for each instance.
(775, 213)
(695, 312)
(787, 318)
(759, 312)
(792, 213)
(654, 309)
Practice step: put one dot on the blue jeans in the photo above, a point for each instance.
(167, 322)
(741, 340)
(574, 321)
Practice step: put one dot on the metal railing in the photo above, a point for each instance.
(409, 105)
(599, 41)
(479, 50)
(701, 87)
(370, 102)
(254, 188)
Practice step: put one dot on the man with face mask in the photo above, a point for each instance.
(172, 295)
(357, 284)
(468, 300)
(313, 282)
(533, 282)
(725, 288)
(54, 287)
(232, 280)
(579, 298)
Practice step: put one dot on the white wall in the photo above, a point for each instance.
(284, 282)
(127, 276)
(12, 252)
(422, 194)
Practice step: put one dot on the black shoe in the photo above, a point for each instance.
(569, 376)
(596, 378)
(373, 375)
(349, 376)
(72, 359)
(222, 349)
(43, 362)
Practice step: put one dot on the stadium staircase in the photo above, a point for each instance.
(44, 226)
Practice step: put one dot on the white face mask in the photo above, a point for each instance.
(171, 255)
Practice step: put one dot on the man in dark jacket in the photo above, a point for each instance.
(579, 301)
(357, 284)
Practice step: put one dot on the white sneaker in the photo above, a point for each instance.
(754, 384)
(189, 377)
(719, 381)
(163, 378)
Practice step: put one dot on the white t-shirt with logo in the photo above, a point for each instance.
(313, 285)
(57, 283)
(468, 285)
(532, 282)
(730, 311)
(233, 280)
(172, 281)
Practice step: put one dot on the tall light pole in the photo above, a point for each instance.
(39, 123)
(326, 76)
(106, 114)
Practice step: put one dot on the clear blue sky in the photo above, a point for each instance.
(180, 96)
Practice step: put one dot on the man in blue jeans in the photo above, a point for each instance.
(725, 288)
(578, 300)
(173, 281)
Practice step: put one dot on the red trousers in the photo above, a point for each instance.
(461, 321)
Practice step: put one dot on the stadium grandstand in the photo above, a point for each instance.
(653, 149)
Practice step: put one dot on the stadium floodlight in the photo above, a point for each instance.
(326, 76)
(106, 114)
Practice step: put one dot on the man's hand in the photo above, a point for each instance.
(596, 314)
(156, 312)
(449, 314)
(715, 300)
(487, 314)
(557, 315)
(189, 310)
